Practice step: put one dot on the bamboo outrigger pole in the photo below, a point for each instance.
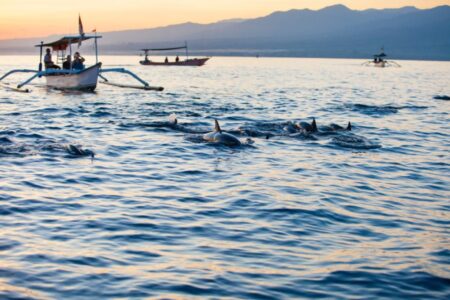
(145, 84)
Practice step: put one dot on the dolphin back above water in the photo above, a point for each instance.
(78, 151)
(335, 127)
(355, 142)
(306, 127)
(220, 137)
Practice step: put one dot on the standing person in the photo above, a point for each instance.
(49, 64)
(67, 63)
(177, 59)
(166, 60)
(78, 61)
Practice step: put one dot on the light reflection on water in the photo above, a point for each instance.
(155, 214)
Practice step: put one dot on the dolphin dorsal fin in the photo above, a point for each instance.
(314, 125)
(217, 126)
(349, 126)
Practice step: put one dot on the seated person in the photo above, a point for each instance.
(78, 61)
(67, 63)
(49, 64)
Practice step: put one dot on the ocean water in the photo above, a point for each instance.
(158, 213)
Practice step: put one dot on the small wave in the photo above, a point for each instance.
(415, 285)
(47, 109)
(379, 109)
(15, 150)
(373, 109)
(99, 114)
(31, 135)
(7, 132)
(7, 244)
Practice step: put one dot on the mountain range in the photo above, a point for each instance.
(335, 31)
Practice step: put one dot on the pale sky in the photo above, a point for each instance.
(35, 18)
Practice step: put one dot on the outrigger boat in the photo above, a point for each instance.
(193, 62)
(379, 60)
(74, 79)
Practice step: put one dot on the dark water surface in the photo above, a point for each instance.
(159, 214)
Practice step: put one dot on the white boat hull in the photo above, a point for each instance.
(84, 80)
(380, 64)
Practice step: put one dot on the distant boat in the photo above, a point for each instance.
(379, 61)
(193, 62)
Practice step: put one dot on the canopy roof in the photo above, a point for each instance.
(64, 42)
(164, 49)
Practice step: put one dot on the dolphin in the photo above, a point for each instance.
(349, 140)
(443, 97)
(220, 137)
(255, 133)
(291, 127)
(78, 151)
(174, 124)
(305, 126)
(335, 127)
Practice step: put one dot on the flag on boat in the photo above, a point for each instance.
(80, 30)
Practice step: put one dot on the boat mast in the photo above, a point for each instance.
(96, 49)
(70, 52)
(40, 57)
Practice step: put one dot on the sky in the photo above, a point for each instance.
(36, 18)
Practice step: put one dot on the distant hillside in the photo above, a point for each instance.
(334, 31)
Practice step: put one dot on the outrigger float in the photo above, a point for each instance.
(379, 61)
(73, 79)
(190, 62)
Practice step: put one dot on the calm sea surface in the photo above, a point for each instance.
(157, 213)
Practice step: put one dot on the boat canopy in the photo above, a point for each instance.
(164, 49)
(64, 42)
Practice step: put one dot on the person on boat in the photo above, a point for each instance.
(78, 61)
(49, 64)
(177, 59)
(166, 60)
(67, 63)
